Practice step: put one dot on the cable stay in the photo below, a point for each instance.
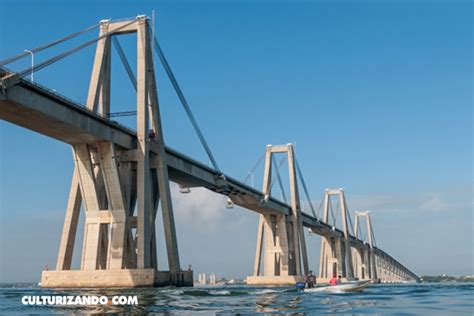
(40, 48)
(229, 203)
(277, 169)
(336, 210)
(359, 231)
(334, 216)
(305, 189)
(70, 52)
(374, 243)
(351, 226)
(252, 171)
(130, 74)
(320, 207)
(185, 104)
(283, 195)
(125, 62)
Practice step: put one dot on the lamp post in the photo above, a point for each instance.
(32, 63)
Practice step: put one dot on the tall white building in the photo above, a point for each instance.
(202, 278)
(212, 278)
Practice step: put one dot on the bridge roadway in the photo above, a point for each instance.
(44, 111)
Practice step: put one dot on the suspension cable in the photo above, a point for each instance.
(125, 62)
(185, 104)
(40, 48)
(305, 189)
(71, 51)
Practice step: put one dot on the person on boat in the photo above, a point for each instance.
(339, 279)
(334, 280)
(310, 281)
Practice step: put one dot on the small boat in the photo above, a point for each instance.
(357, 286)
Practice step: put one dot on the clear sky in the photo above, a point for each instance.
(376, 95)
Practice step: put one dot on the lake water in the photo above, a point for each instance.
(380, 299)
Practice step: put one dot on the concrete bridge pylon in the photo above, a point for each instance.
(281, 256)
(336, 258)
(364, 258)
(119, 189)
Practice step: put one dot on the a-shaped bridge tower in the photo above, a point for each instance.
(119, 188)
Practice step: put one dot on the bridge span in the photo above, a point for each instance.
(121, 175)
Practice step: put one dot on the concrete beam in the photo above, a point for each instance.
(39, 110)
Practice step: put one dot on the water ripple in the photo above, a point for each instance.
(408, 299)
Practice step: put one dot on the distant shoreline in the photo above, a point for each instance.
(424, 279)
(446, 278)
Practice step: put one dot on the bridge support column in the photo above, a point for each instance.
(380, 268)
(362, 264)
(364, 258)
(336, 253)
(276, 256)
(280, 237)
(384, 269)
(120, 190)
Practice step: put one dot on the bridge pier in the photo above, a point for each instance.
(361, 263)
(385, 267)
(280, 236)
(381, 268)
(364, 258)
(120, 189)
(336, 254)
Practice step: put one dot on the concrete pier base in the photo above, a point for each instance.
(114, 278)
(275, 280)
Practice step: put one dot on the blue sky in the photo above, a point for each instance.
(376, 95)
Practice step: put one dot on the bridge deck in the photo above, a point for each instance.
(39, 109)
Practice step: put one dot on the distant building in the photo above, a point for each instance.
(212, 278)
(202, 278)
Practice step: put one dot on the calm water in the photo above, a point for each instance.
(407, 299)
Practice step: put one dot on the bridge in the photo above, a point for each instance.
(122, 175)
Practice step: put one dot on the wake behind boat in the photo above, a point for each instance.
(357, 286)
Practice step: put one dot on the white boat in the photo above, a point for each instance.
(341, 288)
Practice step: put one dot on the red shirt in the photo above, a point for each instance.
(333, 281)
